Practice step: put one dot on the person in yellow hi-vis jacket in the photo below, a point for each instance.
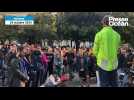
(105, 49)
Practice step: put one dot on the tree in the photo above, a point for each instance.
(78, 26)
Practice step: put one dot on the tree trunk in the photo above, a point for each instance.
(77, 45)
(71, 43)
(42, 43)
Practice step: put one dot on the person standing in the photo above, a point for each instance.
(16, 78)
(44, 61)
(105, 49)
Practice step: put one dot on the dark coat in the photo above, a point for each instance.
(15, 76)
(13, 79)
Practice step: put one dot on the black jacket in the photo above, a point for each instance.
(14, 73)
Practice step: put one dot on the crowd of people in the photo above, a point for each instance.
(31, 65)
(126, 64)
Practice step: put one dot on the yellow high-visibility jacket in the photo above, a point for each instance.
(105, 48)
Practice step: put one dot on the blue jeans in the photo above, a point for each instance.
(108, 78)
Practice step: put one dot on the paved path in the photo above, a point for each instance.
(75, 82)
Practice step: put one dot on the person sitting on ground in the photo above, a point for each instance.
(64, 77)
(52, 81)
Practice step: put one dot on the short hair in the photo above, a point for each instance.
(105, 19)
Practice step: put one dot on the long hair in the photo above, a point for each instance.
(20, 51)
